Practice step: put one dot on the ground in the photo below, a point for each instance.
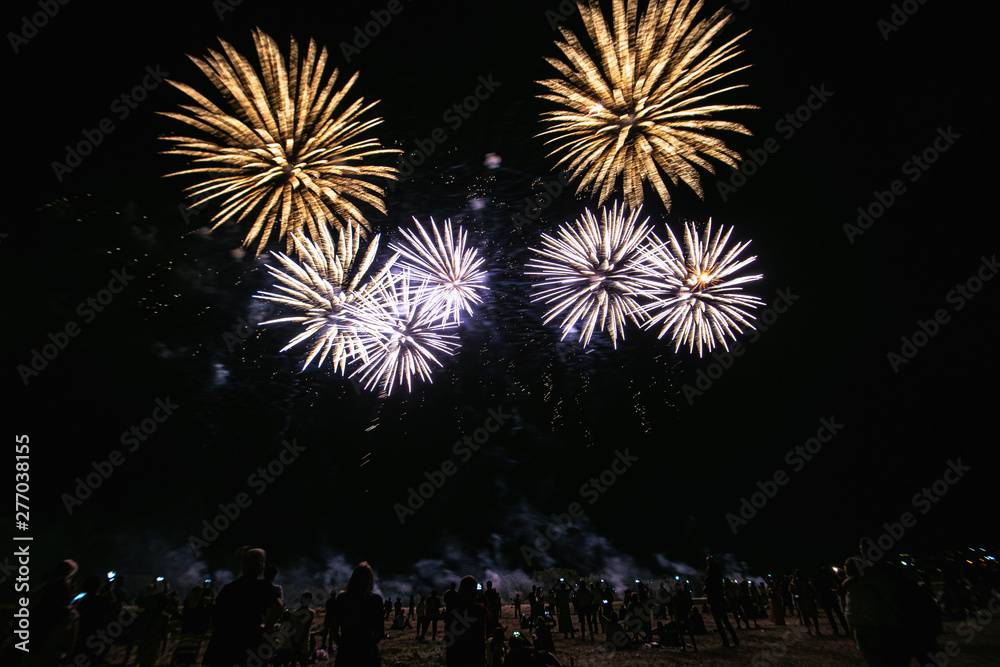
(977, 643)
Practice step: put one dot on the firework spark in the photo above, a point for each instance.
(450, 268)
(402, 336)
(590, 273)
(287, 157)
(700, 299)
(325, 280)
(640, 107)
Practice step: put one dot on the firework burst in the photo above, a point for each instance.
(700, 298)
(591, 275)
(640, 107)
(451, 270)
(401, 336)
(326, 279)
(288, 156)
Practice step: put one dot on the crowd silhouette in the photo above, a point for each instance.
(890, 608)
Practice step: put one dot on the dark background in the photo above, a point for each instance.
(171, 332)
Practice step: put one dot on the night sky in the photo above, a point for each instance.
(183, 329)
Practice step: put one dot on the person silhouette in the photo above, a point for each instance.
(358, 624)
(301, 620)
(716, 595)
(465, 628)
(325, 642)
(433, 613)
(239, 612)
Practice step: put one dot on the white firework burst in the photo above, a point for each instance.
(326, 279)
(451, 270)
(700, 299)
(591, 274)
(401, 336)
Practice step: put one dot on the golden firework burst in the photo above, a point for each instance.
(641, 106)
(285, 155)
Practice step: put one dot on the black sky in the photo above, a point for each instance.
(824, 358)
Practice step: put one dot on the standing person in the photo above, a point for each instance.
(358, 624)
(155, 621)
(732, 593)
(94, 610)
(433, 613)
(465, 628)
(54, 617)
(807, 601)
(584, 598)
(717, 601)
(302, 620)
(595, 605)
(240, 609)
(776, 602)
(916, 613)
(272, 617)
(497, 649)
(451, 599)
(195, 620)
(493, 601)
(534, 603)
(746, 603)
(827, 598)
(874, 616)
(387, 608)
(326, 642)
(562, 595)
(422, 620)
(683, 605)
